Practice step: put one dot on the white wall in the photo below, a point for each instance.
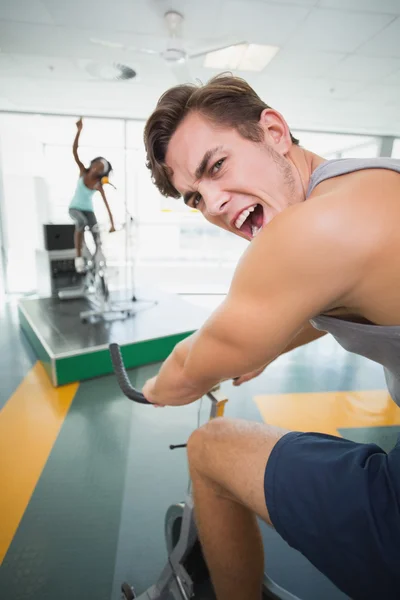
(168, 245)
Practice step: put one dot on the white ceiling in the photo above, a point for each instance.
(338, 67)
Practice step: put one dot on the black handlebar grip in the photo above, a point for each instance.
(122, 376)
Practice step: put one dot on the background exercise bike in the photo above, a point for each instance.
(94, 286)
(185, 575)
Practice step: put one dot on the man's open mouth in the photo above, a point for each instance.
(250, 220)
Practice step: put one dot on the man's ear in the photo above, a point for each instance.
(276, 130)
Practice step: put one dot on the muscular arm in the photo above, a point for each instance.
(306, 335)
(296, 268)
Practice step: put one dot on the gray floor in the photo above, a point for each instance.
(96, 517)
(17, 356)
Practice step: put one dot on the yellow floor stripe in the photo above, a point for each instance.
(29, 425)
(326, 412)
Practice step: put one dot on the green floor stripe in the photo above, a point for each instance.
(66, 544)
(93, 364)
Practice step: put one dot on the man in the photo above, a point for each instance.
(323, 256)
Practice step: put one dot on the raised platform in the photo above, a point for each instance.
(73, 351)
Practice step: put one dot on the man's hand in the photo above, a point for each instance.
(148, 391)
(79, 124)
(243, 378)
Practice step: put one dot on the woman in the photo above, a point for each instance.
(81, 206)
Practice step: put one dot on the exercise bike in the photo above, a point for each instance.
(185, 575)
(93, 286)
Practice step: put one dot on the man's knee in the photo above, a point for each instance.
(226, 440)
(220, 437)
(203, 442)
(232, 455)
(204, 446)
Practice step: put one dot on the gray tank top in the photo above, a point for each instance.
(376, 342)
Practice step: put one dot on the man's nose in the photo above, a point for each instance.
(216, 201)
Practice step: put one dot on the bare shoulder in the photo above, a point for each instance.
(320, 230)
(359, 195)
(321, 254)
(350, 214)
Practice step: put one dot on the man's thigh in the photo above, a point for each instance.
(333, 500)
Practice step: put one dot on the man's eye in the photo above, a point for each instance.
(196, 200)
(216, 167)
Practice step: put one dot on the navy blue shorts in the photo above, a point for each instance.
(338, 503)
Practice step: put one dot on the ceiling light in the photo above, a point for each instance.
(108, 72)
(243, 57)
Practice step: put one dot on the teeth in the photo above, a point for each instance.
(254, 230)
(243, 216)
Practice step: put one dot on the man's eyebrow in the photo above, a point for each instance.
(199, 172)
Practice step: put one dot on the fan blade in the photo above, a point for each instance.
(142, 50)
(107, 43)
(216, 49)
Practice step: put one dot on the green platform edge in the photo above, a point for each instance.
(96, 363)
(41, 352)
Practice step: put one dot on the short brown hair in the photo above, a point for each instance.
(226, 100)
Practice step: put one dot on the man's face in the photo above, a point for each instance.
(237, 184)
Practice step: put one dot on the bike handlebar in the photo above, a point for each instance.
(122, 376)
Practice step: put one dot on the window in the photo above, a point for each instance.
(161, 241)
(335, 145)
(177, 249)
(396, 148)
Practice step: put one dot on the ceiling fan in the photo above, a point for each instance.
(175, 54)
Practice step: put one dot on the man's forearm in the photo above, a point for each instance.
(172, 386)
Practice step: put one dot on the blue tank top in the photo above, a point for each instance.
(83, 197)
(376, 342)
